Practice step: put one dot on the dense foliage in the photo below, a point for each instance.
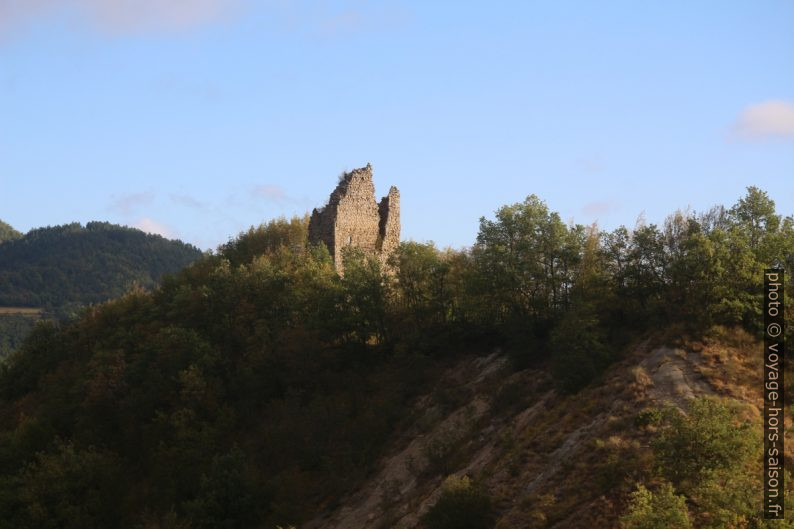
(61, 269)
(711, 455)
(74, 264)
(255, 387)
(13, 330)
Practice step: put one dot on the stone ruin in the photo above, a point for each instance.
(353, 218)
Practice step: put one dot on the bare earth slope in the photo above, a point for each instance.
(547, 460)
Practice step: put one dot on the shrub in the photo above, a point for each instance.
(709, 437)
(663, 509)
(647, 417)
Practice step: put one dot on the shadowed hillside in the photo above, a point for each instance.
(57, 270)
(537, 379)
(79, 264)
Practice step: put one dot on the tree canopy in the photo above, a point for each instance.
(75, 264)
(258, 386)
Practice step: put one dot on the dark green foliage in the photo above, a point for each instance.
(526, 259)
(712, 454)
(225, 499)
(257, 386)
(81, 265)
(711, 436)
(13, 330)
(233, 396)
(364, 303)
(463, 505)
(579, 352)
(68, 487)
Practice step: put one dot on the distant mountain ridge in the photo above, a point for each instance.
(75, 264)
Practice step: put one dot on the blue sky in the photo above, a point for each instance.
(199, 118)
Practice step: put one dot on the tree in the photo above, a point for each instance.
(579, 350)
(526, 258)
(663, 509)
(755, 215)
(365, 295)
(70, 487)
(421, 273)
(267, 238)
(710, 436)
(226, 498)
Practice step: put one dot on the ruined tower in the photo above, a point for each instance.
(353, 218)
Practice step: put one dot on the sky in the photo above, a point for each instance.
(196, 119)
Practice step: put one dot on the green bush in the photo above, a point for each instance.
(663, 509)
(709, 437)
(647, 417)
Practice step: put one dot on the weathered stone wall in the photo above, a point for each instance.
(353, 218)
(389, 227)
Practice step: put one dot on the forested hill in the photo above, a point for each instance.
(75, 264)
(7, 232)
(257, 388)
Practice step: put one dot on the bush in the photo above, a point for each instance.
(663, 509)
(709, 437)
(648, 417)
(463, 505)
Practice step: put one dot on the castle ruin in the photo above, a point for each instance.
(352, 217)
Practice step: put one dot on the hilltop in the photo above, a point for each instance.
(85, 264)
(56, 270)
(534, 380)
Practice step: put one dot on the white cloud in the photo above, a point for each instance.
(156, 228)
(312, 17)
(599, 207)
(769, 119)
(128, 202)
(121, 16)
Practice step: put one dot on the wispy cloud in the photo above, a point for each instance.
(269, 192)
(121, 16)
(156, 228)
(321, 18)
(768, 119)
(599, 207)
(127, 203)
(188, 202)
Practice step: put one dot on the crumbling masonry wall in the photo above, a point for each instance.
(353, 218)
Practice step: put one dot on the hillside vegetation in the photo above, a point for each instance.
(7, 232)
(75, 264)
(60, 269)
(527, 382)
